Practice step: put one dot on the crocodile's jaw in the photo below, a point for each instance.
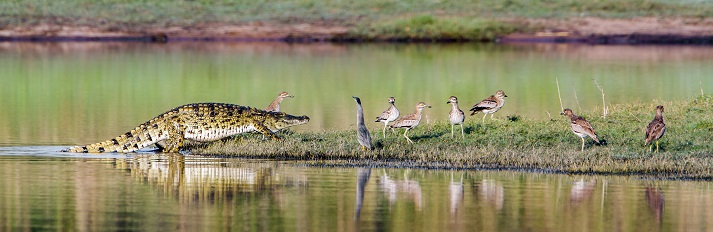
(282, 120)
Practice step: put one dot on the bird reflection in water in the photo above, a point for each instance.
(492, 193)
(392, 187)
(455, 188)
(581, 191)
(656, 200)
(363, 175)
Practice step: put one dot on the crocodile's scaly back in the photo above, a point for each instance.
(201, 122)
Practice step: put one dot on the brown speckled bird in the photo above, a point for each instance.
(410, 121)
(580, 127)
(456, 116)
(275, 105)
(656, 129)
(389, 115)
(490, 105)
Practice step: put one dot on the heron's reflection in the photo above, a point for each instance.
(392, 187)
(363, 175)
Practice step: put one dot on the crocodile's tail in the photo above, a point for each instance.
(142, 136)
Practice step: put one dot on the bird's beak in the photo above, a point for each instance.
(294, 96)
(448, 102)
(429, 106)
(505, 95)
(561, 113)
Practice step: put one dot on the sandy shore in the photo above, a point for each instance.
(578, 30)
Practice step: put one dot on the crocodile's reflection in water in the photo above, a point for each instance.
(196, 177)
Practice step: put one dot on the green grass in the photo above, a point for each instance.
(369, 19)
(431, 28)
(515, 142)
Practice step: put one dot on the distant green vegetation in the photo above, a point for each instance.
(515, 142)
(428, 27)
(476, 20)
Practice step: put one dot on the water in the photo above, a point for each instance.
(59, 94)
(78, 93)
(190, 193)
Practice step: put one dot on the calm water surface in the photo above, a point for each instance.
(59, 94)
(44, 190)
(78, 93)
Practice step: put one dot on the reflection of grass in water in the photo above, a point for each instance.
(522, 143)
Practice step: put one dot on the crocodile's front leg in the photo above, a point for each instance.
(264, 130)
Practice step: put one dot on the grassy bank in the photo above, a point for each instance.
(517, 143)
(368, 19)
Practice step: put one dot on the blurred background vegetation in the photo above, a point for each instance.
(368, 19)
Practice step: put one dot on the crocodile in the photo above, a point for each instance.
(201, 122)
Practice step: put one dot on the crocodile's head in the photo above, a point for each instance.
(279, 120)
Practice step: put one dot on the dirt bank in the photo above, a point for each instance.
(618, 31)
(579, 30)
(204, 32)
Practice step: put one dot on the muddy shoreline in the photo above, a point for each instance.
(635, 39)
(581, 30)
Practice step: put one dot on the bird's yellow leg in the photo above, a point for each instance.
(657, 146)
(582, 143)
(461, 131)
(409, 140)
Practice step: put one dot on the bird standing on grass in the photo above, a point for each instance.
(656, 129)
(490, 105)
(456, 116)
(389, 115)
(580, 127)
(410, 121)
(362, 133)
(275, 105)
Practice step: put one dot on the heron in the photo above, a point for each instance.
(362, 133)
